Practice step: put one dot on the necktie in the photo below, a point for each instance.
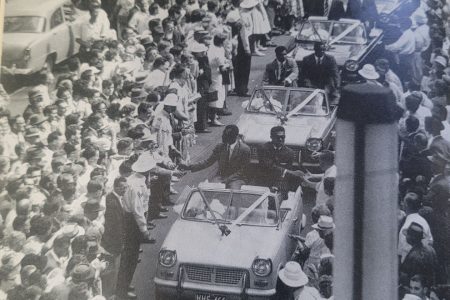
(325, 8)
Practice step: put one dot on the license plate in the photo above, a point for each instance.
(209, 297)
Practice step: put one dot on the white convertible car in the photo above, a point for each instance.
(228, 244)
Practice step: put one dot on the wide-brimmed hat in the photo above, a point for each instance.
(82, 272)
(70, 230)
(414, 229)
(438, 159)
(92, 205)
(411, 297)
(324, 223)
(144, 163)
(171, 100)
(292, 275)
(34, 152)
(440, 60)
(32, 131)
(368, 71)
(249, 3)
(148, 136)
(196, 47)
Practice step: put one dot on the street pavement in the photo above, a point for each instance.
(145, 272)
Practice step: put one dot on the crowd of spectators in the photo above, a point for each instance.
(88, 167)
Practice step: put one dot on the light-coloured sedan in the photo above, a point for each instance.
(228, 244)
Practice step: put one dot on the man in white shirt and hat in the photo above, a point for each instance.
(134, 203)
(295, 283)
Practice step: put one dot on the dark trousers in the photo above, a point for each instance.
(202, 115)
(160, 193)
(242, 63)
(130, 255)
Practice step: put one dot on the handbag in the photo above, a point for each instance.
(211, 96)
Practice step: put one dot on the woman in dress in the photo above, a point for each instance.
(261, 27)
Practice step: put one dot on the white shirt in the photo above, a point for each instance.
(422, 38)
(134, 198)
(403, 246)
(155, 78)
(321, 197)
(139, 21)
(406, 44)
(232, 146)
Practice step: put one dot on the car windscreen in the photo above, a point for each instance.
(24, 24)
(227, 206)
(273, 102)
(307, 102)
(332, 31)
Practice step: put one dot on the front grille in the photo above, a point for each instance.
(214, 275)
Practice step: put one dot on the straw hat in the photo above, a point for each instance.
(249, 3)
(440, 60)
(368, 71)
(324, 223)
(171, 100)
(292, 275)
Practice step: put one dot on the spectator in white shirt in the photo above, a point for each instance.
(139, 20)
(412, 203)
(158, 76)
(404, 49)
(423, 41)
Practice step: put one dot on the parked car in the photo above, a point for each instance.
(228, 244)
(37, 37)
(305, 113)
(346, 40)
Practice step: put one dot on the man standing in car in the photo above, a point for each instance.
(276, 162)
(282, 71)
(320, 70)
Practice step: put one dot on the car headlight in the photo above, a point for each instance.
(27, 54)
(167, 258)
(351, 65)
(314, 144)
(262, 267)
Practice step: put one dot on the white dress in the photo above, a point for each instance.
(261, 23)
(216, 57)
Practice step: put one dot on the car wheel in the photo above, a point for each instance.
(49, 63)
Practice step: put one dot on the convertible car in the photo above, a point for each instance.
(228, 244)
(346, 40)
(305, 113)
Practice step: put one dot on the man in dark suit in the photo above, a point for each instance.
(113, 238)
(333, 9)
(438, 145)
(320, 70)
(233, 157)
(276, 160)
(363, 10)
(282, 71)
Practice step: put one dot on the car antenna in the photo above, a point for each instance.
(222, 227)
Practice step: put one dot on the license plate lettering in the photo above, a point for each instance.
(209, 297)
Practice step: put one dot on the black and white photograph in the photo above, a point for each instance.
(225, 150)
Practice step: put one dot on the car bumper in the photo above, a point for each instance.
(168, 289)
(16, 71)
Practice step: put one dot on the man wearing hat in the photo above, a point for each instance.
(36, 103)
(436, 144)
(294, 284)
(163, 122)
(421, 259)
(320, 70)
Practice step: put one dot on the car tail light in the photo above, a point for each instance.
(27, 54)
(167, 258)
(262, 267)
(314, 144)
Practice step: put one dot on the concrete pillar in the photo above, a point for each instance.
(365, 245)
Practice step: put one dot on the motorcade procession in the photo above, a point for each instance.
(186, 149)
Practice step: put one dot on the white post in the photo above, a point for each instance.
(366, 194)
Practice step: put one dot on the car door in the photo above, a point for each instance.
(59, 35)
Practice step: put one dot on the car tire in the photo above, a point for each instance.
(49, 64)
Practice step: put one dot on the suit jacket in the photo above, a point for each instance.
(320, 75)
(113, 238)
(440, 146)
(364, 10)
(336, 10)
(289, 69)
(232, 168)
(274, 162)
(438, 192)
